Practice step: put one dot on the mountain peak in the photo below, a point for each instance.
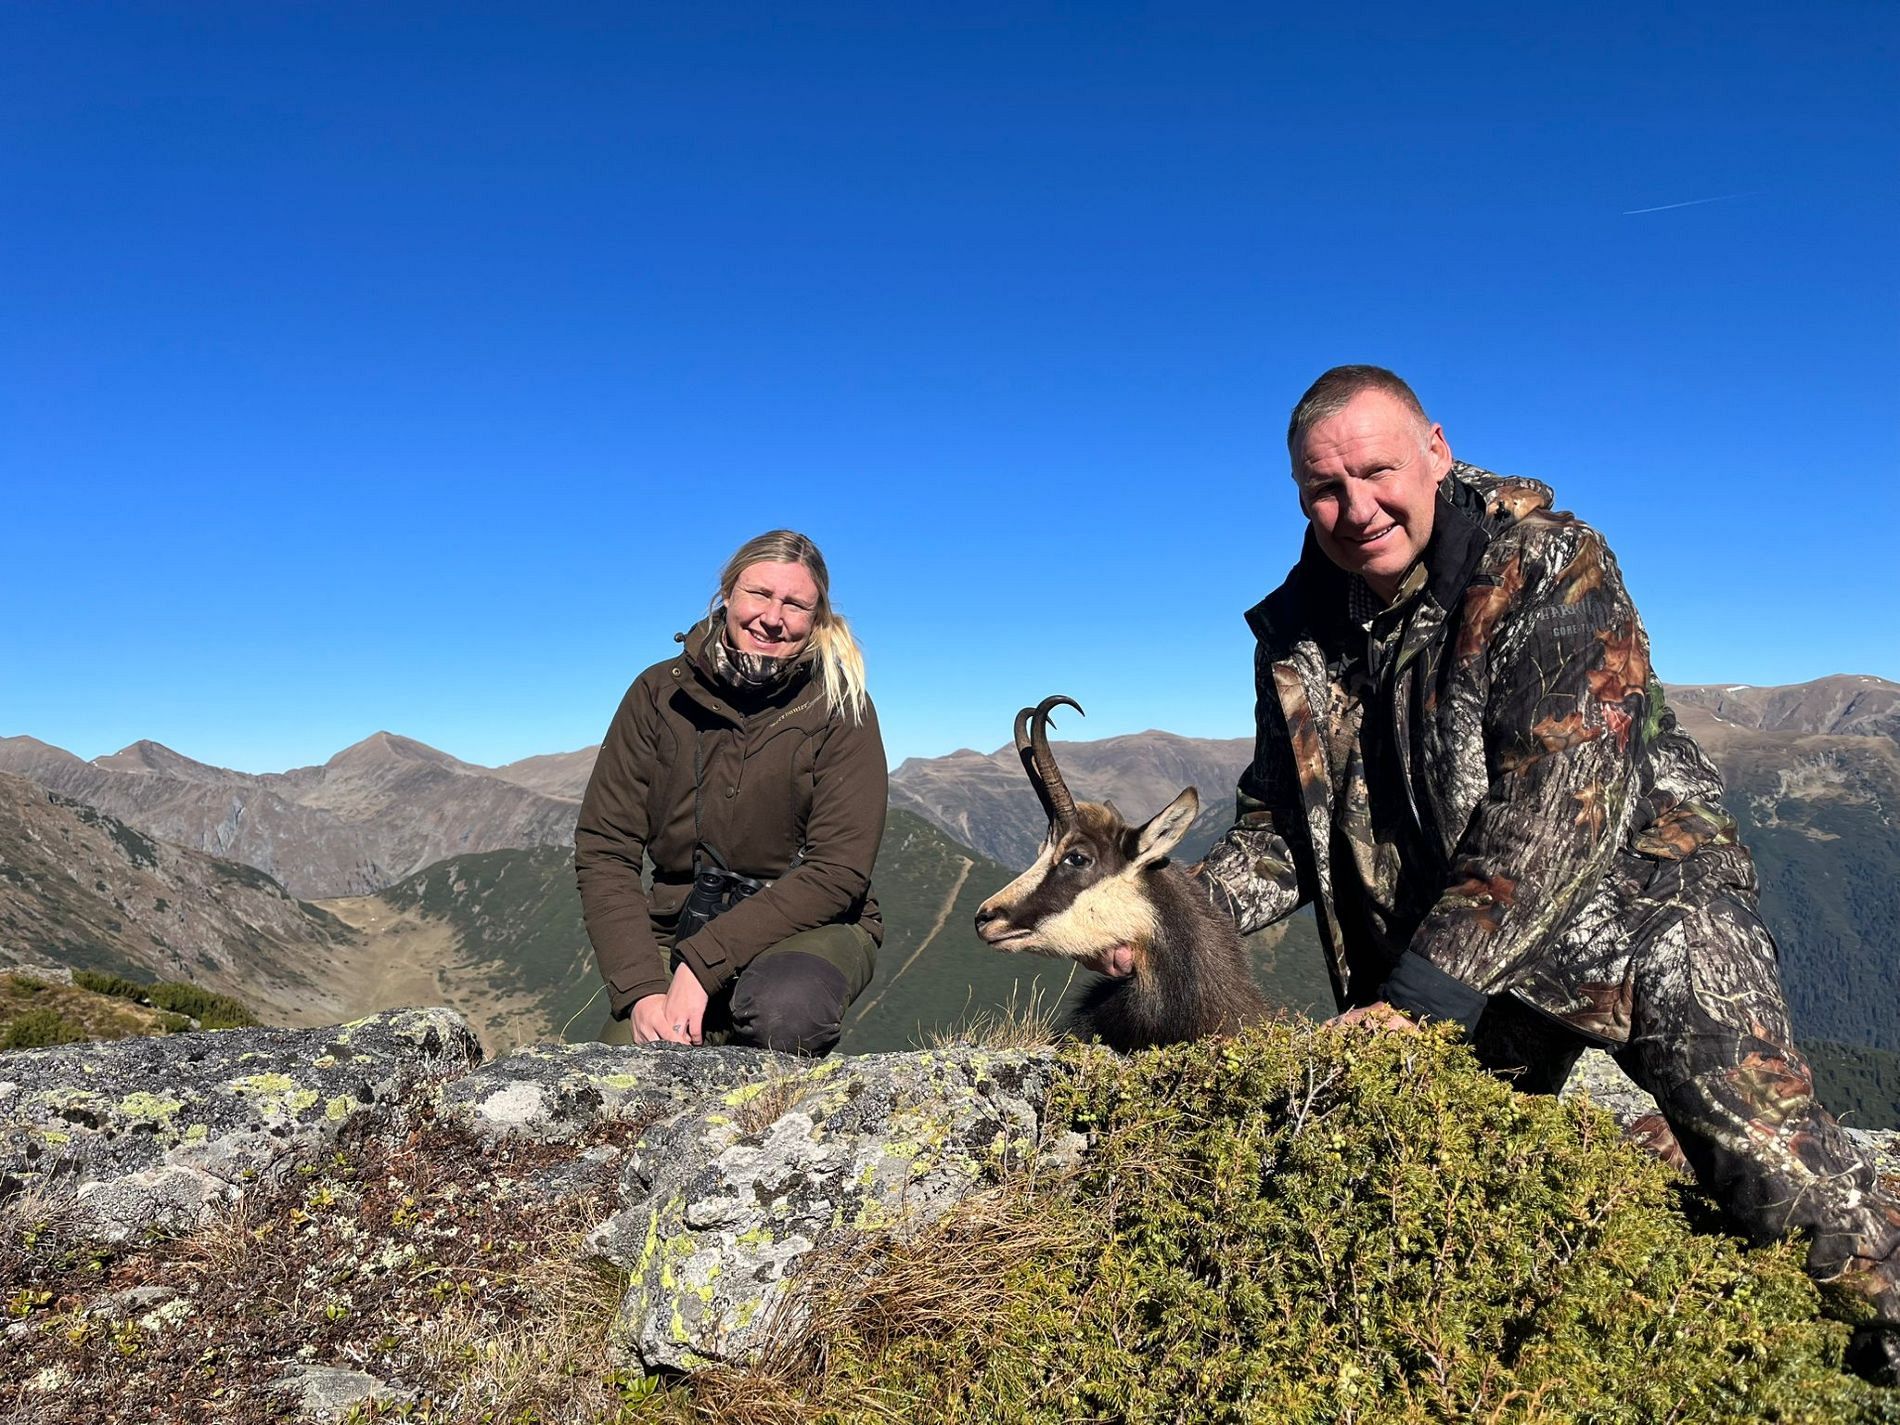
(146, 755)
(382, 748)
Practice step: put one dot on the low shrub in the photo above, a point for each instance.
(1307, 1224)
(101, 983)
(212, 1011)
(38, 1028)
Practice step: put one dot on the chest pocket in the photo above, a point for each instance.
(774, 802)
(672, 779)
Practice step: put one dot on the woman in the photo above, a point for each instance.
(751, 759)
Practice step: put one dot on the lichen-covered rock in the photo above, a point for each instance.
(725, 1199)
(151, 1132)
(556, 1092)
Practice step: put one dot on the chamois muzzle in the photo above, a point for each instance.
(1032, 745)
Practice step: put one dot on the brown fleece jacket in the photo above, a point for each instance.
(770, 775)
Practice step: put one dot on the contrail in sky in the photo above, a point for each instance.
(1692, 203)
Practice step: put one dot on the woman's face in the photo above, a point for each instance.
(769, 609)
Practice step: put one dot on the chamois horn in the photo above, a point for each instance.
(1032, 745)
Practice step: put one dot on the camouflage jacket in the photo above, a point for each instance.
(1544, 778)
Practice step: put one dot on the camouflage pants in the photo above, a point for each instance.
(1710, 1039)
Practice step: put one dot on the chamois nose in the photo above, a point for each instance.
(992, 925)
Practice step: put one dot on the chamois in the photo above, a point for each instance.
(1103, 892)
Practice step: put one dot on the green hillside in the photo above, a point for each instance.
(519, 919)
(1859, 1086)
(928, 982)
(520, 941)
(1830, 877)
(957, 978)
(36, 1012)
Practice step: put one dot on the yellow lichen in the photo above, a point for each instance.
(149, 1105)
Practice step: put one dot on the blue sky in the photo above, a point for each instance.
(415, 367)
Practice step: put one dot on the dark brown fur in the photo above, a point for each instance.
(1190, 979)
(1193, 982)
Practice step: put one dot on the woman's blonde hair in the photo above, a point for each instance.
(840, 661)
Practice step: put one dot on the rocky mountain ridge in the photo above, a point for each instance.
(387, 806)
(81, 890)
(379, 810)
(1844, 704)
(984, 801)
(1813, 780)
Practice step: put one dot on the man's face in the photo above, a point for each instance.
(1368, 479)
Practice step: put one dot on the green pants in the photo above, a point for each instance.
(790, 997)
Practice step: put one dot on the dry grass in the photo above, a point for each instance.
(857, 1298)
(770, 1100)
(952, 1275)
(548, 1360)
(428, 1259)
(1023, 1021)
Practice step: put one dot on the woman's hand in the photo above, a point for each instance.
(685, 1007)
(651, 1023)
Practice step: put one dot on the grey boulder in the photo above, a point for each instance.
(151, 1133)
(726, 1200)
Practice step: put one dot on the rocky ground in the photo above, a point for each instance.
(258, 1224)
(366, 1221)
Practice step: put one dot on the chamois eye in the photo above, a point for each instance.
(1077, 859)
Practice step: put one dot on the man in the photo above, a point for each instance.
(1464, 762)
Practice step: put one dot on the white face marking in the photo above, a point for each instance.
(1028, 881)
(1109, 913)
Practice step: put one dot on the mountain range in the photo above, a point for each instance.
(81, 890)
(398, 874)
(379, 810)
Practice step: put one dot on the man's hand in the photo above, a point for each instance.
(1117, 962)
(651, 1022)
(685, 1007)
(1376, 1017)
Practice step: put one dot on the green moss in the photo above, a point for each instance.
(1314, 1225)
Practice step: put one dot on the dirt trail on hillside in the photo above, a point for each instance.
(943, 915)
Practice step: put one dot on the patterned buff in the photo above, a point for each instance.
(751, 674)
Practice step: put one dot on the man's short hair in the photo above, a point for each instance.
(1330, 395)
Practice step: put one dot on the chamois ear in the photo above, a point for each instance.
(1165, 830)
